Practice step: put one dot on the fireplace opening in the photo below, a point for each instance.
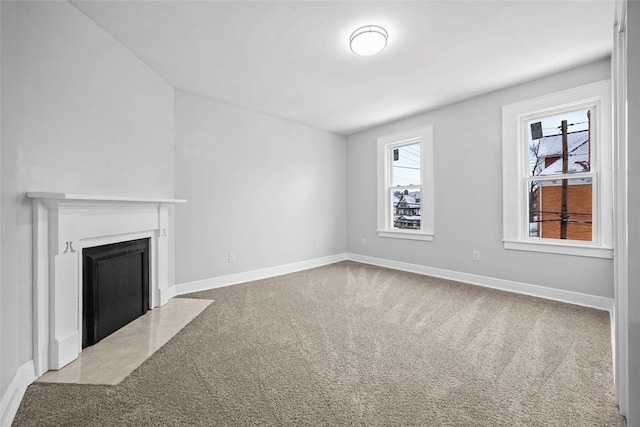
(115, 287)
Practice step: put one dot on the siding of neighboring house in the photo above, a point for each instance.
(578, 201)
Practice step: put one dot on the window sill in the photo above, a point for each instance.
(406, 235)
(560, 248)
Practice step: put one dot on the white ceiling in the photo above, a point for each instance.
(291, 59)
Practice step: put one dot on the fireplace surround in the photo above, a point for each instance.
(65, 224)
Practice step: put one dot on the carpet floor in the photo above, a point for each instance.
(352, 344)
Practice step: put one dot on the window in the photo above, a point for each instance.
(557, 184)
(405, 184)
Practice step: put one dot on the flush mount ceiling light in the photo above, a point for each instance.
(368, 40)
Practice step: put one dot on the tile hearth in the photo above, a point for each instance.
(115, 357)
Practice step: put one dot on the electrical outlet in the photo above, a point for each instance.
(476, 255)
(317, 244)
(232, 257)
(363, 241)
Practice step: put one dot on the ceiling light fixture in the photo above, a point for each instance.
(368, 40)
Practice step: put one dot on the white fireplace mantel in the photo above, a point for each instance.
(63, 225)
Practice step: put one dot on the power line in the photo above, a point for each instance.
(407, 167)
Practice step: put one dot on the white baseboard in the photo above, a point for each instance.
(166, 294)
(11, 399)
(65, 350)
(600, 303)
(264, 273)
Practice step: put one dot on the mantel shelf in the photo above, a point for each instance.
(97, 198)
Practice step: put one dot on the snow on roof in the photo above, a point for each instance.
(407, 199)
(551, 145)
(578, 148)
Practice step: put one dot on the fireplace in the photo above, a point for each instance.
(64, 225)
(115, 287)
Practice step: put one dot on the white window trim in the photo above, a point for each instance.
(515, 162)
(425, 136)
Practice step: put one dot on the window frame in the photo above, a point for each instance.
(515, 165)
(385, 145)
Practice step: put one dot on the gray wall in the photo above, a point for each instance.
(468, 194)
(80, 114)
(633, 206)
(2, 298)
(265, 188)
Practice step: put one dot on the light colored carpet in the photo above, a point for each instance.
(351, 344)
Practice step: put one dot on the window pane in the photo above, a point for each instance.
(546, 147)
(406, 208)
(405, 165)
(550, 218)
